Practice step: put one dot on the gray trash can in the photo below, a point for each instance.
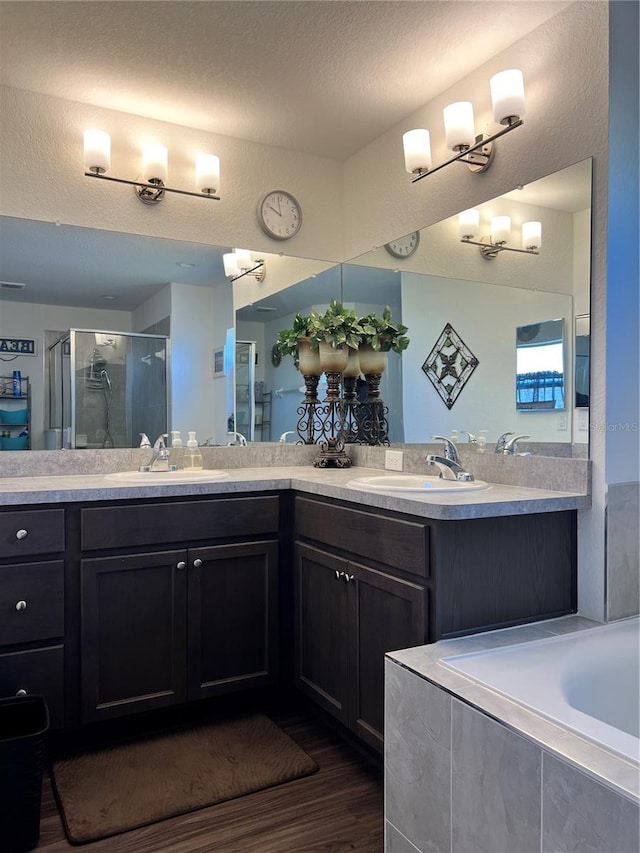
(24, 722)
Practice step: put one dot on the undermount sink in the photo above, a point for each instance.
(414, 484)
(166, 478)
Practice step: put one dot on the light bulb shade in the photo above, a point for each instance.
(154, 162)
(97, 151)
(417, 150)
(469, 223)
(243, 259)
(230, 262)
(531, 235)
(459, 126)
(507, 95)
(207, 173)
(500, 229)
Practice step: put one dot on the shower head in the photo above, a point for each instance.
(105, 376)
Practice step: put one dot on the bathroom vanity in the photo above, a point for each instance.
(119, 599)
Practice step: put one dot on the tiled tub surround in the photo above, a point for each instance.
(467, 770)
(623, 550)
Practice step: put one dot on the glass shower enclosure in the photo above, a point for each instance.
(106, 388)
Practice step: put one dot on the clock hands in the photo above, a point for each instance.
(271, 207)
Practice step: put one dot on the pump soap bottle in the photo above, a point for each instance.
(192, 455)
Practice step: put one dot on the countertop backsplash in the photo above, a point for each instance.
(541, 472)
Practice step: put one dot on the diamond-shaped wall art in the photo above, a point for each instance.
(449, 365)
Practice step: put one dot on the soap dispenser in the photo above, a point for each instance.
(192, 456)
(176, 438)
(454, 436)
(482, 441)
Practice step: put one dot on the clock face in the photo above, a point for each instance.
(404, 246)
(280, 215)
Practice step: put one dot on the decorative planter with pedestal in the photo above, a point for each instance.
(372, 413)
(309, 366)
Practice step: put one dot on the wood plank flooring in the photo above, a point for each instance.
(338, 809)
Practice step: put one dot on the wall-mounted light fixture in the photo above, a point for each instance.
(239, 263)
(507, 97)
(500, 235)
(150, 186)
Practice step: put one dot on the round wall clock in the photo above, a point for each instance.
(276, 355)
(280, 215)
(403, 246)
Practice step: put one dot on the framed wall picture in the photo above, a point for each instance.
(218, 362)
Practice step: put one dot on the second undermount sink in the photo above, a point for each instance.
(166, 478)
(414, 484)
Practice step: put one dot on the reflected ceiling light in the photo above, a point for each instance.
(239, 263)
(150, 186)
(500, 235)
(507, 97)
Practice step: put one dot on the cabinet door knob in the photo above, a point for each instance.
(21, 534)
(197, 562)
(338, 575)
(21, 605)
(21, 692)
(348, 578)
(181, 565)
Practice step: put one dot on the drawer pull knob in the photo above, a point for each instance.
(21, 692)
(21, 605)
(348, 578)
(197, 562)
(338, 575)
(181, 565)
(21, 534)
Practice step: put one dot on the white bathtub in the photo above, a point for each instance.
(587, 681)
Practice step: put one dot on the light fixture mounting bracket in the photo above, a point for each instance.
(479, 159)
(151, 192)
(258, 271)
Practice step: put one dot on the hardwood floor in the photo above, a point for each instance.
(337, 809)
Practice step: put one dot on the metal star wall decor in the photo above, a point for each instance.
(449, 365)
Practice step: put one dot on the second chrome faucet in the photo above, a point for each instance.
(449, 464)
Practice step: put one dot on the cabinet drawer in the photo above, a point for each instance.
(395, 542)
(39, 671)
(178, 522)
(31, 602)
(31, 532)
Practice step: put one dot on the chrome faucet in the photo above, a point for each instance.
(449, 464)
(510, 445)
(501, 442)
(238, 439)
(450, 450)
(472, 439)
(160, 457)
(283, 437)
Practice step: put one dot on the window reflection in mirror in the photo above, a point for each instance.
(540, 370)
(582, 361)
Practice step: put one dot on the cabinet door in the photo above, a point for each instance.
(232, 617)
(322, 649)
(386, 614)
(133, 632)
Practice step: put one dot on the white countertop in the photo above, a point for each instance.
(497, 500)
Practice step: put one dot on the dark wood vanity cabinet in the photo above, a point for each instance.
(166, 626)
(369, 582)
(352, 608)
(32, 618)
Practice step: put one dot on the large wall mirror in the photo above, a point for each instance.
(447, 282)
(83, 278)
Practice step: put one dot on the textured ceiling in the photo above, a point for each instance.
(325, 78)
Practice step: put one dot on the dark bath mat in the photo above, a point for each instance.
(115, 789)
